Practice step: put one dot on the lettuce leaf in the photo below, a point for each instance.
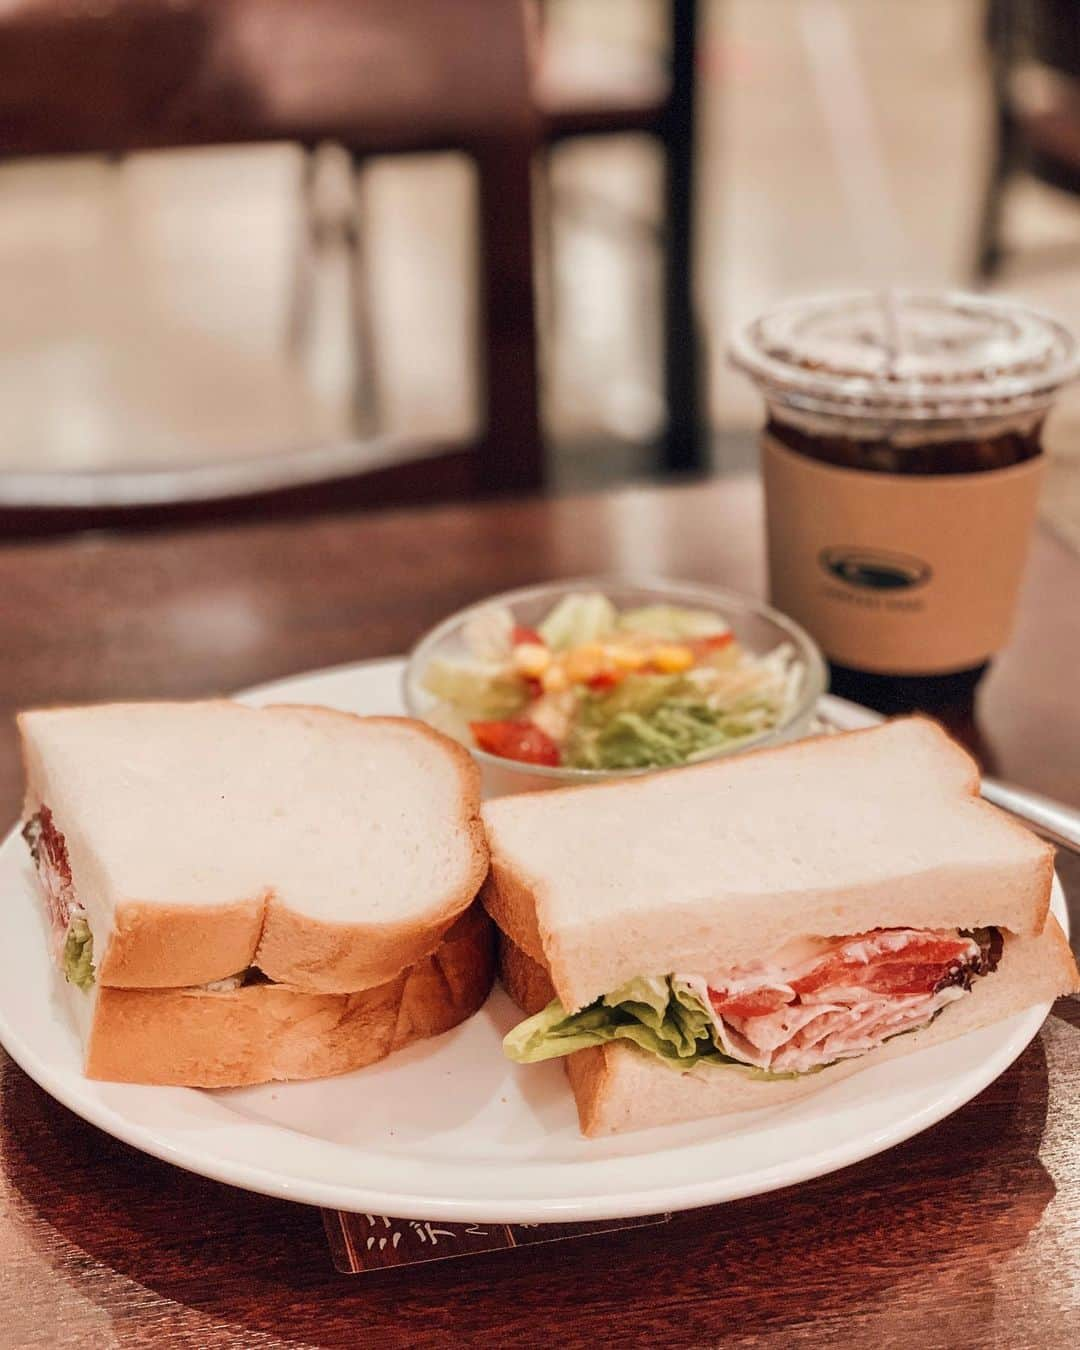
(489, 634)
(480, 689)
(78, 956)
(661, 1015)
(578, 619)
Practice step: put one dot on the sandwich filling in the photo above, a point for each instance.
(71, 941)
(811, 1004)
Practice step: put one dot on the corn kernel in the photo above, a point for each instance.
(628, 658)
(531, 659)
(672, 660)
(554, 679)
(585, 663)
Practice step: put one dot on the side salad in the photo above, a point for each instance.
(595, 688)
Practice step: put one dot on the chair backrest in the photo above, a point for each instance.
(1044, 31)
(378, 75)
(76, 77)
(372, 73)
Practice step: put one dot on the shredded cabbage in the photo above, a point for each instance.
(661, 720)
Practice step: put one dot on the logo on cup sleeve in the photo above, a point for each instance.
(875, 569)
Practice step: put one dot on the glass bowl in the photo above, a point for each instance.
(756, 626)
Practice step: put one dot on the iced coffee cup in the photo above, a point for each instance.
(902, 460)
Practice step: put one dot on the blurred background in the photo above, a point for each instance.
(251, 246)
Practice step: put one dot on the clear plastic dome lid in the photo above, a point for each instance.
(907, 355)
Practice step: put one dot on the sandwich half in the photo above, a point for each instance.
(737, 934)
(249, 1030)
(276, 885)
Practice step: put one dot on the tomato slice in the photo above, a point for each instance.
(516, 738)
(712, 642)
(915, 969)
(522, 634)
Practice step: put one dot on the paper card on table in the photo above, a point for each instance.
(363, 1242)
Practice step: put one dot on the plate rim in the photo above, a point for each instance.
(68, 1087)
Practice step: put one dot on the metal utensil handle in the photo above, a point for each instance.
(1053, 821)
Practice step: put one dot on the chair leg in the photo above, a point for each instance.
(990, 243)
(1003, 26)
(683, 448)
(367, 419)
(545, 291)
(298, 322)
(510, 455)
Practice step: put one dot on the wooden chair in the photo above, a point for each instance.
(664, 108)
(378, 77)
(658, 101)
(661, 104)
(1042, 141)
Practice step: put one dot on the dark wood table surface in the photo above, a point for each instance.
(967, 1235)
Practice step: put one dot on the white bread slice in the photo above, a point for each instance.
(619, 1087)
(265, 1032)
(725, 861)
(331, 851)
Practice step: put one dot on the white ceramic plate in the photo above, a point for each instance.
(449, 1129)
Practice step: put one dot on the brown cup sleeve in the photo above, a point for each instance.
(898, 574)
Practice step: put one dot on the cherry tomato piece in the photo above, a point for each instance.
(607, 679)
(705, 646)
(522, 634)
(516, 738)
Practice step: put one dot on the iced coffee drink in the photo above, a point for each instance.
(902, 460)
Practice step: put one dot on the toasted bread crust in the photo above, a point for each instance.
(618, 1088)
(523, 978)
(1045, 883)
(172, 946)
(267, 1032)
(510, 899)
(457, 976)
(160, 945)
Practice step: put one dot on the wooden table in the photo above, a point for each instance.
(967, 1235)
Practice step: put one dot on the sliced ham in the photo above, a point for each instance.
(821, 1000)
(49, 852)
